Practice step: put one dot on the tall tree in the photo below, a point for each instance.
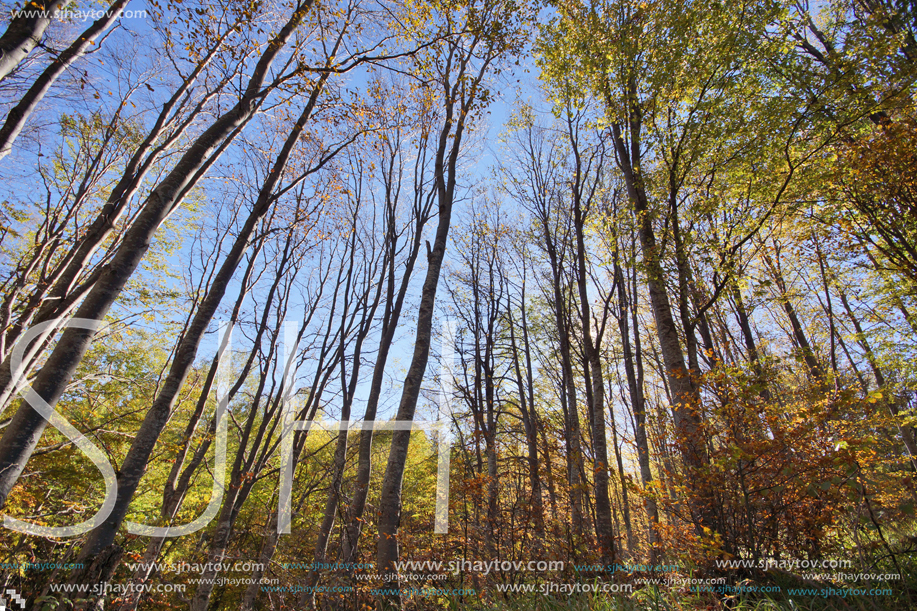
(476, 37)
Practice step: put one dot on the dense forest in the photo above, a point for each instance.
(458, 304)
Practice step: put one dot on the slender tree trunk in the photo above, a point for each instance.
(567, 390)
(169, 511)
(552, 488)
(750, 344)
(180, 477)
(390, 503)
(572, 434)
(525, 388)
(638, 402)
(332, 502)
(260, 448)
(348, 389)
(490, 442)
(603, 526)
(269, 544)
(221, 535)
(625, 497)
(798, 333)
(906, 432)
(26, 31)
(268, 547)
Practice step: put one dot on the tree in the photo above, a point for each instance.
(26, 31)
(459, 69)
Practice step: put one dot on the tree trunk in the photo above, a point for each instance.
(798, 333)
(685, 396)
(390, 502)
(26, 31)
(750, 344)
(625, 497)
(627, 307)
(603, 526)
(525, 388)
(906, 432)
(348, 389)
